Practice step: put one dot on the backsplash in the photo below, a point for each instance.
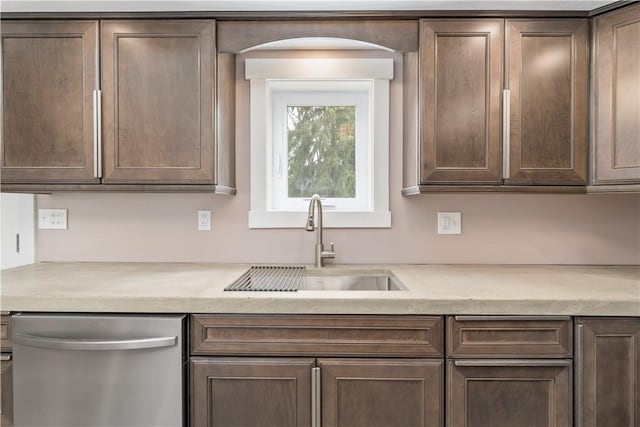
(496, 228)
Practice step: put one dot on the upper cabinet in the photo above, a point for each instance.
(548, 109)
(49, 73)
(460, 100)
(616, 75)
(158, 95)
(149, 118)
(467, 129)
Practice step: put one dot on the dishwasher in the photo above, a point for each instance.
(99, 370)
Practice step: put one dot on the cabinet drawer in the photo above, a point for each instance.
(509, 336)
(317, 335)
(5, 333)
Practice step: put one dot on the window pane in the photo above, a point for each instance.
(322, 151)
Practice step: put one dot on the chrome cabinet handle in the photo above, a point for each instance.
(315, 397)
(5, 357)
(506, 133)
(93, 344)
(579, 375)
(97, 133)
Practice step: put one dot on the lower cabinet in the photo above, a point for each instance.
(381, 392)
(509, 371)
(317, 370)
(608, 372)
(531, 393)
(244, 392)
(6, 392)
(282, 392)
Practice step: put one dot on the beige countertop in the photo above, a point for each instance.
(431, 289)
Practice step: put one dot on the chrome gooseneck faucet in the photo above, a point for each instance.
(321, 254)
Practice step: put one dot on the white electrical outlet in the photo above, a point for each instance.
(52, 219)
(204, 220)
(449, 223)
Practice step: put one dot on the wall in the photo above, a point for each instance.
(497, 228)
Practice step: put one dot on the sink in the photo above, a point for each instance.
(346, 282)
(297, 278)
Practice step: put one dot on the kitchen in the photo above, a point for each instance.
(534, 248)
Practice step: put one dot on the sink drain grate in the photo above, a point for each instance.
(282, 278)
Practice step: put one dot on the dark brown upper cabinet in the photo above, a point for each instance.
(468, 129)
(158, 93)
(548, 115)
(460, 91)
(616, 75)
(49, 74)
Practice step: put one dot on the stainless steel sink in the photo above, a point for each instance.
(347, 282)
(298, 278)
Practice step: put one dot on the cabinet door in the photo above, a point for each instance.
(49, 73)
(608, 372)
(617, 97)
(461, 94)
(250, 392)
(509, 393)
(158, 101)
(381, 392)
(547, 78)
(6, 391)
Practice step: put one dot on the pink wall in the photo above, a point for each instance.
(497, 228)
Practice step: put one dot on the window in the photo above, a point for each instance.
(319, 126)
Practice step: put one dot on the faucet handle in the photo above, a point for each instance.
(332, 247)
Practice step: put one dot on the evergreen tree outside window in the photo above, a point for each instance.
(321, 150)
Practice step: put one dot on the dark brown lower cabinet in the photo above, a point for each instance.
(6, 393)
(608, 372)
(509, 393)
(381, 392)
(251, 392)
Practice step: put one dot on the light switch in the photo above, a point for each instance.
(52, 219)
(449, 223)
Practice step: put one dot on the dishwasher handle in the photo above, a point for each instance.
(93, 344)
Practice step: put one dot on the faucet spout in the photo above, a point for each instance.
(321, 254)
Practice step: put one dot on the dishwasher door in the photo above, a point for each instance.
(99, 370)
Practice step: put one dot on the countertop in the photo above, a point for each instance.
(431, 289)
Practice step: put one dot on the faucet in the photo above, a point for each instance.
(321, 254)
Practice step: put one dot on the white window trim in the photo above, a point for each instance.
(263, 70)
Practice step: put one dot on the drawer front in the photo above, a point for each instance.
(317, 335)
(509, 336)
(5, 333)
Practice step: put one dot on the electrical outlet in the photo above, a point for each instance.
(204, 220)
(449, 223)
(52, 219)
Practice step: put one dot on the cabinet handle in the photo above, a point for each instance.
(91, 344)
(506, 133)
(97, 133)
(512, 362)
(579, 376)
(315, 397)
(5, 357)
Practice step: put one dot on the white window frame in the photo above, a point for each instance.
(273, 81)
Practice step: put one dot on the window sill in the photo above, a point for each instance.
(332, 219)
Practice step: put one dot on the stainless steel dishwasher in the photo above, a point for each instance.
(99, 370)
